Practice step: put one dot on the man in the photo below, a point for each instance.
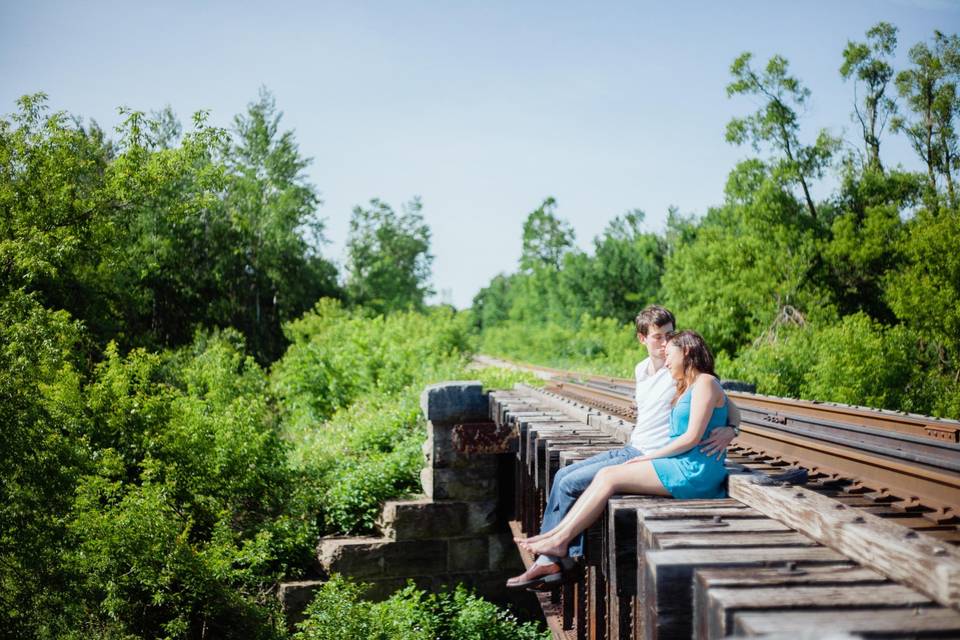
(655, 389)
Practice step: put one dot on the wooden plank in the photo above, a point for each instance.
(905, 556)
(891, 623)
(724, 603)
(728, 539)
(667, 578)
(712, 514)
(620, 527)
(698, 526)
(598, 614)
(551, 444)
(679, 509)
(831, 574)
(841, 573)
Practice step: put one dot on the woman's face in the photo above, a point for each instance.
(674, 360)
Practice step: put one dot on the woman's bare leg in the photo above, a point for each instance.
(636, 478)
(599, 491)
(539, 536)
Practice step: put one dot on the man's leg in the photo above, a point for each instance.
(569, 483)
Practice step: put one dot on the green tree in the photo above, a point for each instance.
(58, 212)
(930, 90)
(388, 257)
(777, 123)
(546, 238)
(629, 262)
(269, 269)
(621, 276)
(868, 63)
(187, 516)
(924, 290)
(491, 305)
(42, 452)
(156, 267)
(751, 266)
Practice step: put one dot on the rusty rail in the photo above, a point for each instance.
(903, 458)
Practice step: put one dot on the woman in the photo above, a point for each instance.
(679, 469)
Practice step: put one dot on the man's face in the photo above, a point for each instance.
(656, 340)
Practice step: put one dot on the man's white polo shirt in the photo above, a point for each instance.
(654, 394)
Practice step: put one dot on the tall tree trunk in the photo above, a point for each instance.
(873, 142)
(803, 181)
(952, 199)
(806, 195)
(931, 156)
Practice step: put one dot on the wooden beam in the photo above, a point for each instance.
(922, 622)
(923, 562)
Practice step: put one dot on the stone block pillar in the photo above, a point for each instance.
(462, 443)
(453, 534)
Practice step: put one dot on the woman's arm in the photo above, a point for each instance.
(706, 394)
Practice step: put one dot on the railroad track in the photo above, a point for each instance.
(903, 465)
(834, 556)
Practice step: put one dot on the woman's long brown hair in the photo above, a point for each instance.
(696, 358)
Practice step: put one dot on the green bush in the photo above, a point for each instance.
(338, 612)
(596, 345)
(337, 354)
(855, 361)
(189, 511)
(364, 448)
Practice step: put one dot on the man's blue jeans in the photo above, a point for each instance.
(573, 480)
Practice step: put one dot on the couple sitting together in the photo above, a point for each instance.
(677, 449)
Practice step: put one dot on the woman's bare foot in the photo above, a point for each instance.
(548, 546)
(533, 574)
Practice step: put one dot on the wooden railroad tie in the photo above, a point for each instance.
(763, 561)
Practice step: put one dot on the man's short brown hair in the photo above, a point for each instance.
(654, 316)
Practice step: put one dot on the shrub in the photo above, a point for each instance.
(855, 361)
(596, 345)
(338, 612)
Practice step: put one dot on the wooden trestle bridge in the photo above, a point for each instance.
(869, 547)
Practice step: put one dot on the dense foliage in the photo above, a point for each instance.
(163, 470)
(852, 298)
(164, 494)
(339, 612)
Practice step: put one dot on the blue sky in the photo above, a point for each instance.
(481, 108)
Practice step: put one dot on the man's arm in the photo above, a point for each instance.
(721, 438)
(733, 415)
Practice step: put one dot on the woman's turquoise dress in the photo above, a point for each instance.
(692, 474)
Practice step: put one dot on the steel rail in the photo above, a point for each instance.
(906, 456)
(913, 483)
(932, 428)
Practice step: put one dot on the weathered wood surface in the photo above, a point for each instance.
(714, 518)
(706, 580)
(905, 556)
(730, 525)
(835, 574)
(920, 622)
(731, 539)
(723, 508)
(666, 578)
(724, 603)
(620, 566)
